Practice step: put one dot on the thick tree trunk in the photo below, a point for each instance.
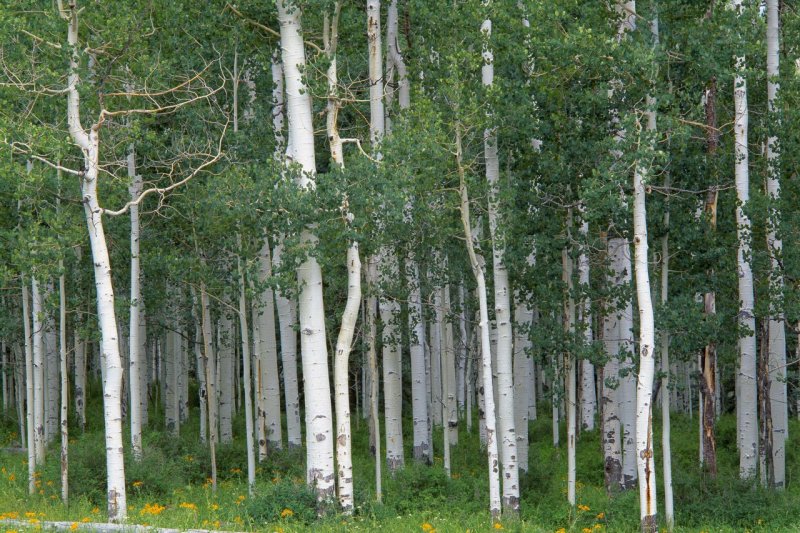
(267, 371)
(320, 471)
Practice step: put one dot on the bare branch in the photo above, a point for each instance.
(267, 29)
(163, 190)
(22, 148)
(357, 142)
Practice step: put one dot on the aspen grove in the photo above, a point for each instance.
(362, 264)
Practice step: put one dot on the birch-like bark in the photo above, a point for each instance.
(777, 327)
(341, 379)
(523, 320)
(569, 370)
(644, 390)
(612, 429)
(38, 369)
(626, 393)
(372, 358)
(419, 400)
(268, 376)
(209, 362)
(450, 411)
(502, 302)
(320, 471)
(478, 269)
(588, 393)
(247, 373)
(30, 432)
(62, 345)
(52, 391)
(287, 320)
(225, 354)
(747, 395)
(136, 308)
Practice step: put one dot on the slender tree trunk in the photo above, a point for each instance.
(62, 343)
(287, 319)
(666, 376)
(777, 329)
(478, 269)
(644, 389)
(747, 394)
(588, 392)
(419, 401)
(612, 429)
(569, 369)
(372, 357)
(209, 362)
(267, 373)
(247, 373)
(523, 382)
(38, 368)
(136, 352)
(502, 303)
(30, 378)
(341, 379)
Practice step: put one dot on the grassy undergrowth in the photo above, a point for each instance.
(170, 487)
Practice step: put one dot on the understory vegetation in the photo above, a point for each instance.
(170, 487)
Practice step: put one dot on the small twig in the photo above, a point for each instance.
(357, 142)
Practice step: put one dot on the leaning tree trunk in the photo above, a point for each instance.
(89, 143)
(777, 330)
(320, 472)
(477, 263)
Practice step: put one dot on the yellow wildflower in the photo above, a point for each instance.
(238, 519)
(583, 507)
(597, 526)
(152, 509)
(426, 527)
(587, 530)
(33, 520)
(188, 505)
(240, 499)
(11, 531)
(278, 530)
(213, 507)
(286, 513)
(73, 526)
(498, 525)
(12, 477)
(217, 524)
(86, 519)
(96, 510)
(30, 515)
(236, 470)
(138, 484)
(189, 458)
(601, 516)
(561, 530)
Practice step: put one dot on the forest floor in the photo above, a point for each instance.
(170, 488)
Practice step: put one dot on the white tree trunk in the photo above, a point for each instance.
(612, 430)
(626, 393)
(502, 303)
(209, 360)
(435, 335)
(319, 417)
(52, 370)
(419, 401)
(341, 380)
(287, 319)
(269, 378)
(136, 352)
(478, 269)
(372, 361)
(62, 344)
(449, 371)
(588, 393)
(523, 382)
(30, 378)
(200, 374)
(247, 374)
(38, 375)
(746, 396)
(89, 143)
(569, 370)
(225, 354)
(777, 327)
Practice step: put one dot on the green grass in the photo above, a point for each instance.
(169, 487)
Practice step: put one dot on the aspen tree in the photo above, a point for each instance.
(300, 149)
(612, 429)
(247, 373)
(746, 394)
(30, 432)
(777, 330)
(502, 301)
(478, 269)
(136, 339)
(588, 393)
(569, 366)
